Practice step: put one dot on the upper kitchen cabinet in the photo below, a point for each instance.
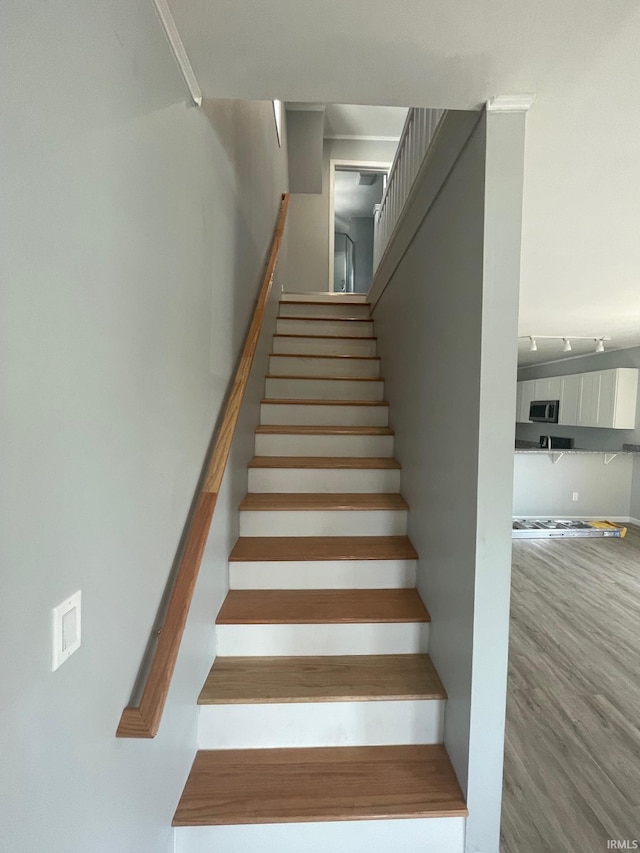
(547, 389)
(603, 398)
(569, 397)
(526, 391)
(607, 398)
(617, 398)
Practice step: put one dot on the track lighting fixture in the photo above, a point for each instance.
(566, 341)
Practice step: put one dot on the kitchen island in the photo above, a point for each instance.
(573, 483)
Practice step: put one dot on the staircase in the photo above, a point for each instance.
(321, 721)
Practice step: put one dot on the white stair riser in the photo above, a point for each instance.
(291, 444)
(323, 574)
(289, 365)
(309, 724)
(283, 414)
(323, 522)
(323, 480)
(349, 310)
(353, 638)
(325, 296)
(433, 835)
(324, 389)
(348, 328)
(325, 346)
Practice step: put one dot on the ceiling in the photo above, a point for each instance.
(350, 199)
(580, 271)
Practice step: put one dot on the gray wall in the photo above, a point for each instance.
(542, 488)
(305, 134)
(587, 438)
(447, 327)
(134, 232)
(362, 235)
(306, 267)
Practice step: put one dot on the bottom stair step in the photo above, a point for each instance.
(238, 786)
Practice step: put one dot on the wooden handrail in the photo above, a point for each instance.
(143, 720)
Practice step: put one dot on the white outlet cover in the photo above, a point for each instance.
(67, 629)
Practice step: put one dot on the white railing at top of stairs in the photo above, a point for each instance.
(419, 129)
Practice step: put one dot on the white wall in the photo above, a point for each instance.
(134, 232)
(447, 329)
(307, 262)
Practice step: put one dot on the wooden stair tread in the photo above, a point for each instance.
(324, 337)
(320, 606)
(319, 784)
(324, 378)
(280, 429)
(301, 501)
(297, 401)
(336, 319)
(321, 678)
(322, 302)
(332, 462)
(303, 548)
(323, 355)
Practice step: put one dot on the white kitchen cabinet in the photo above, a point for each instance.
(607, 398)
(618, 397)
(589, 392)
(602, 398)
(569, 395)
(526, 391)
(547, 389)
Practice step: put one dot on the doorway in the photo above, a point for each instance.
(355, 190)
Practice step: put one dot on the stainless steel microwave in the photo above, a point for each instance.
(544, 411)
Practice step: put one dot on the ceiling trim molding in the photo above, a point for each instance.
(177, 46)
(362, 138)
(510, 103)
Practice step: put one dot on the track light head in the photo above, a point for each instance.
(599, 344)
(533, 346)
(567, 345)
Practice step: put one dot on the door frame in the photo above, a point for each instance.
(352, 166)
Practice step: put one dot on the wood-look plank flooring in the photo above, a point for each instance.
(300, 548)
(319, 606)
(275, 429)
(302, 501)
(358, 462)
(326, 783)
(326, 678)
(572, 750)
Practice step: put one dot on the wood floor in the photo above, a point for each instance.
(572, 749)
